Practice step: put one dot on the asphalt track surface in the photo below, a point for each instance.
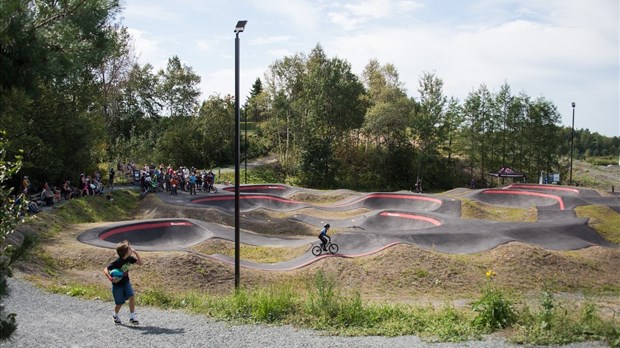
(431, 222)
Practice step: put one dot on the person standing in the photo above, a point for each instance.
(111, 178)
(121, 286)
(192, 183)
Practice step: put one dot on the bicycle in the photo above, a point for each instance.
(332, 248)
(210, 188)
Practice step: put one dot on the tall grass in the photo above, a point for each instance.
(562, 323)
(326, 306)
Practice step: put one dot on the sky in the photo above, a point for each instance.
(563, 50)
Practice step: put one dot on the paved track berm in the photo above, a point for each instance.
(388, 218)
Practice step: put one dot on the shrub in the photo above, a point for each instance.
(494, 310)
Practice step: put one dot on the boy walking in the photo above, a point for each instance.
(121, 287)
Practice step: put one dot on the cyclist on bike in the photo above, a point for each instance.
(324, 237)
(209, 181)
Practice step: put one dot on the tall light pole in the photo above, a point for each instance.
(245, 148)
(238, 29)
(572, 137)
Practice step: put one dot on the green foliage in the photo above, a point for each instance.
(557, 323)
(258, 175)
(317, 164)
(179, 88)
(159, 298)
(48, 82)
(81, 290)
(323, 298)
(493, 310)
(602, 161)
(10, 214)
(264, 305)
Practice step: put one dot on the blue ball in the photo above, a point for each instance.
(116, 273)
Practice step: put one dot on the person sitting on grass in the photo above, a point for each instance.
(67, 190)
(31, 206)
(47, 195)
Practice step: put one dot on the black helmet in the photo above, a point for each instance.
(326, 226)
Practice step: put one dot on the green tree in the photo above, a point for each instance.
(331, 94)
(256, 102)
(429, 122)
(135, 130)
(49, 87)
(477, 113)
(179, 88)
(387, 125)
(216, 124)
(505, 110)
(284, 120)
(390, 111)
(111, 76)
(543, 133)
(450, 147)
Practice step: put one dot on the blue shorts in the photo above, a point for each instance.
(122, 293)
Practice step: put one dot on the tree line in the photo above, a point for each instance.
(72, 94)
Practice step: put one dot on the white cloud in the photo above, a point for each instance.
(148, 11)
(370, 8)
(267, 40)
(298, 15)
(148, 48)
(280, 53)
(203, 45)
(352, 15)
(343, 20)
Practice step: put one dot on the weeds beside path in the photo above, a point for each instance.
(52, 320)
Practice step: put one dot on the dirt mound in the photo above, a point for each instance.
(153, 208)
(322, 198)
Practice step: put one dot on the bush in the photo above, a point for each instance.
(494, 311)
(323, 297)
(10, 215)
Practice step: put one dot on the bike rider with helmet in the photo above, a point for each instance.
(324, 237)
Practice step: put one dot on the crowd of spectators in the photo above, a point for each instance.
(47, 195)
(151, 178)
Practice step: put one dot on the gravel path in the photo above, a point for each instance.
(50, 320)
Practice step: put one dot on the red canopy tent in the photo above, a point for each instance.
(506, 172)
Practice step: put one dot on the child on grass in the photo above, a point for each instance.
(121, 288)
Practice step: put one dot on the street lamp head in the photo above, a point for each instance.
(240, 26)
(573, 104)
